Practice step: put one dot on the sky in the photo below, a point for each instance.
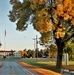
(14, 39)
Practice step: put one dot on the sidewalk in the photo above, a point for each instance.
(40, 70)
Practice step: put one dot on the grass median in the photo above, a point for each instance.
(49, 64)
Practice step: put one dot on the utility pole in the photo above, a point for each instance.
(36, 48)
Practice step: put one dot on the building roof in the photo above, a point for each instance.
(6, 51)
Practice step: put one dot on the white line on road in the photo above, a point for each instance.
(29, 72)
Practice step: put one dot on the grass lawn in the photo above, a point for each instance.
(49, 64)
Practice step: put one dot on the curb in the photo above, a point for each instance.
(40, 70)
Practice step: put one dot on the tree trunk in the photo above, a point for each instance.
(60, 46)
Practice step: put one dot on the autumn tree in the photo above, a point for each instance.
(46, 16)
(23, 53)
(53, 50)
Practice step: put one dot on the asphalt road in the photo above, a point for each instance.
(12, 68)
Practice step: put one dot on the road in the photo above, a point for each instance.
(12, 68)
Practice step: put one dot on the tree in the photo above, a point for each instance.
(53, 50)
(23, 53)
(69, 48)
(30, 53)
(46, 16)
(41, 53)
(69, 51)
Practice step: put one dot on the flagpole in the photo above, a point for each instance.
(4, 42)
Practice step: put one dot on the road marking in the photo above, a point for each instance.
(29, 71)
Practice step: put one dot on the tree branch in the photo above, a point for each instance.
(68, 38)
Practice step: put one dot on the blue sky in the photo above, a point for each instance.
(14, 39)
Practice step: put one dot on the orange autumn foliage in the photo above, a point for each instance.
(66, 9)
(72, 21)
(43, 22)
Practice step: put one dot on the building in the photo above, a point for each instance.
(6, 53)
(17, 55)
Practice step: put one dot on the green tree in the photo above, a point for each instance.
(69, 51)
(41, 53)
(46, 16)
(46, 52)
(30, 53)
(69, 48)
